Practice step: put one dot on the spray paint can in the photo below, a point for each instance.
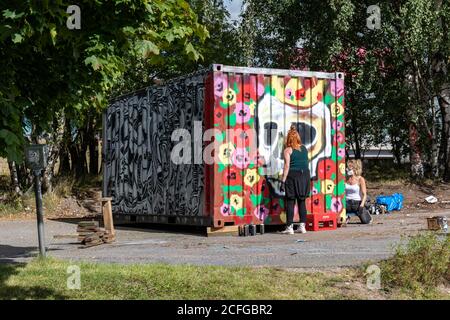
(252, 230)
(261, 229)
(246, 231)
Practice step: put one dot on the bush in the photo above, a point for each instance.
(420, 265)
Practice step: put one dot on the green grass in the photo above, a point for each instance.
(418, 267)
(418, 270)
(11, 205)
(46, 279)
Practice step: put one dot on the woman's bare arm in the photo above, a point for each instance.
(362, 183)
(287, 160)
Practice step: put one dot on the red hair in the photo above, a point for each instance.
(293, 139)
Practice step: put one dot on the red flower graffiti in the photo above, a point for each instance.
(300, 94)
(326, 168)
(233, 176)
(315, 204)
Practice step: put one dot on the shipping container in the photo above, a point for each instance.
(158, 143)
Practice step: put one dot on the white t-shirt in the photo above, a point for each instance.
(352, 192)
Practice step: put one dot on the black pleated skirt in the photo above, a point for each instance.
(298, 184)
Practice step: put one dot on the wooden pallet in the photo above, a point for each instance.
(224, 231)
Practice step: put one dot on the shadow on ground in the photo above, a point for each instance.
(10, 268)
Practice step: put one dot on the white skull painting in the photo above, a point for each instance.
(273, 122)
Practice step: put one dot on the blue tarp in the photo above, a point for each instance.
(393, 202)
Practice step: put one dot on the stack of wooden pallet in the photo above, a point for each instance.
(90, 234)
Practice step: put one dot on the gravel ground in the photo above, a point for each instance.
(348, 246)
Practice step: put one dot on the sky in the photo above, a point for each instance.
(234, 8)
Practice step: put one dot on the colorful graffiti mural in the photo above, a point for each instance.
(245, 182)
(250, 111)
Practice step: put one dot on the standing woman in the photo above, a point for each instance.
(296, 179)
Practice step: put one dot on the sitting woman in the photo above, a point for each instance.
(356, 192)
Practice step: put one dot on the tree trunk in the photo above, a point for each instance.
(64, 161)
(78, 159)
(444, 104)
(93, 155)
(14, 178)
(417, 171)
(64, 155)
(434, 146)
(396, 150)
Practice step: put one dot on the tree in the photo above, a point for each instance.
(410, 51)
(49, 71)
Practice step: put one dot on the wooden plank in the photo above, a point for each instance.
(63, 236)
(107, 215)
(224, 231)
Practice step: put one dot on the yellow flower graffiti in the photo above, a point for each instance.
(229, 97)
(336, 109)
(327, 186)
(252, 107)
(251, 177)
(236, 202)
(283, 216)
(342, 168)
(225, 152)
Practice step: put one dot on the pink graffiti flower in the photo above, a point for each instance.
(261, 212)
(220, 84)
(225, 209)
(337, 87)
(241, 158)
(337, 125)
(336, 204)
(341, 152)
(340, 137)
(289, 93)
(243, 113)
(314, 191)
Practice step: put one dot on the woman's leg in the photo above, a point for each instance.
(290, 204)
(352, 206)
(364, 215)
(302, 210)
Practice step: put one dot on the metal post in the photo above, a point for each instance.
(40, 216)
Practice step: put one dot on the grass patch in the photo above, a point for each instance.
(11, 205)
(390, 175)
(419, 267)
(46, 279)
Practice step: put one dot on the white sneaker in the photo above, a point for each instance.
(289, 229)
(301, 228)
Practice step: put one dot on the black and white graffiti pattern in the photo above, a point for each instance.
(138, 173)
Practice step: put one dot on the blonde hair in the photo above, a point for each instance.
(293, 139)
(356, 165)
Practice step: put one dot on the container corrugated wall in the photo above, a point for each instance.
(256, 107)
(137, 169)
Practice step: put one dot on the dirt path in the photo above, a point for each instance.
(349, 246)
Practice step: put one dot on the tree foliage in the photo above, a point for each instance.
(393, 74)
(48, 69)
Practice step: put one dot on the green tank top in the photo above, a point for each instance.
(299, 159)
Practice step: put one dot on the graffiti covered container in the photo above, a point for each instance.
(207, 149)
